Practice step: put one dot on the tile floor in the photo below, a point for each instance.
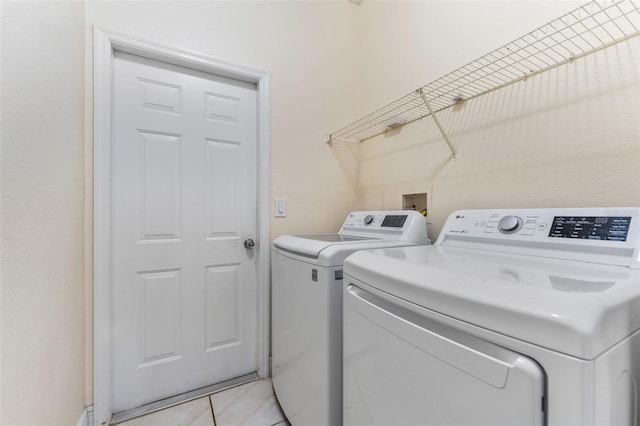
(251, 404)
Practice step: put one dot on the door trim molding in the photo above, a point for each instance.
(106, 42)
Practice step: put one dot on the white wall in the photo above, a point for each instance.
(567, 137)
(42, 311)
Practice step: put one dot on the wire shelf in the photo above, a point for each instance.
(587, 29)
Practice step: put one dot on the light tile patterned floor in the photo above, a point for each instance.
(251, 404)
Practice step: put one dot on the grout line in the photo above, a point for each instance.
(213, 414)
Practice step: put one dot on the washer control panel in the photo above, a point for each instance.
(389, 219)
(393, 224)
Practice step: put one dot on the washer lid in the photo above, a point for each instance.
(317, 250)
(333, 238)
(311, 245)
(360, 231)
(577, 308)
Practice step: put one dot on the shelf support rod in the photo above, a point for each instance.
(435, 119)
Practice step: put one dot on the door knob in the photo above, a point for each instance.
(249, 243)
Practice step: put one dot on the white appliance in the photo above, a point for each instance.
(307, 309)
(513, 317)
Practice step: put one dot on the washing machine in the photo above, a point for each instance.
(513, 317)
(307, 309)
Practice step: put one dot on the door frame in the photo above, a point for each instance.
(106, 43)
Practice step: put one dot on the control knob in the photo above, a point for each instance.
(368, 220)
(509, 224)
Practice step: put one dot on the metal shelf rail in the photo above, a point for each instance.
(587, 29)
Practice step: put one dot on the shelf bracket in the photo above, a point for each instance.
(332, 139)
(435, 119)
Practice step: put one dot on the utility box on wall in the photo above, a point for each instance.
(417, 202)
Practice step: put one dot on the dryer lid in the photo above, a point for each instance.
(577, 308)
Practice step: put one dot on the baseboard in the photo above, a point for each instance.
(86, 418)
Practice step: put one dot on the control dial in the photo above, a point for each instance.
(509, 224)
(368, 220)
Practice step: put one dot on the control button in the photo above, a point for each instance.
(542, 226)
(368, 220)
(509, 224)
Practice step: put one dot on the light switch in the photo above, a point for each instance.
(280, 208)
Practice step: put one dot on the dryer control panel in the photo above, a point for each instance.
(602, 235)
(609, 228)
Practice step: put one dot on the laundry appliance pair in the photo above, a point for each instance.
(513, 317)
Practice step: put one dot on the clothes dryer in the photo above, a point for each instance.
(307, 309)
(513, 317)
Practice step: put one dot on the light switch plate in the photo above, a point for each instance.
(280, 208)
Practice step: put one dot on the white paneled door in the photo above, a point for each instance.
(184, 203)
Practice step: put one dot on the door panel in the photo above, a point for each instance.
(184, 286)
(222, 295)
(159, 316)
(161, 183)
(221, 159)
